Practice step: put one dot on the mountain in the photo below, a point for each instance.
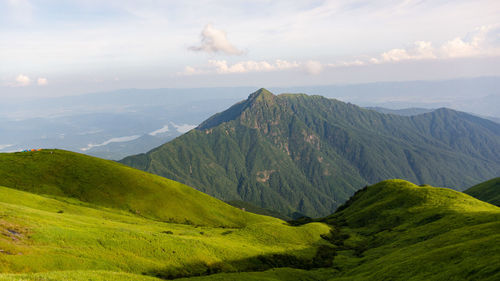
(488, 191)
(416, 111)
(403, 112)
(479, 95)
(308, 154)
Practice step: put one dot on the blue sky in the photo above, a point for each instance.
(54, 48)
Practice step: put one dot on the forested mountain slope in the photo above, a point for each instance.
(308, 154)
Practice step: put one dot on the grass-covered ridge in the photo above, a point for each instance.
(396, 228)
(109, 184)
(488, 191)
(49, 239)
(393, 230)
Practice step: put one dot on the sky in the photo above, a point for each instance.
(60, 47)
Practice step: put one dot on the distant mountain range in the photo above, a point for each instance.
(412, 111)
(109, 125)
(300, 154)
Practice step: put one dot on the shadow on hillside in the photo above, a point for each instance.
(323, 258)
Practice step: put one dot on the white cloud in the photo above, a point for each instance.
(481, 42)
(313, 67)
(223, 67)
(42, 81)
(214, 41)
(420, 50)
(22, 80)
(356, 62)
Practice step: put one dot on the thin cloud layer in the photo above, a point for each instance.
(215, 41)
(42, 81)
(223, 67)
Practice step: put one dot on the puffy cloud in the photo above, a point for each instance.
(22, 80)
(485, 41)
(214, 41)
(482, 42)
(42, 81)
(420, 50)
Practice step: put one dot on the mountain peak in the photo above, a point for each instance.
(261, 95)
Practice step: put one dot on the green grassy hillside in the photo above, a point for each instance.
(106, 183)
(396, 230)
(488, 191)
(309, 154)
(393, 230)
(49, 239)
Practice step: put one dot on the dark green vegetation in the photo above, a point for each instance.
(404, 112)
(300, 154)
(249, 207)
(488, 191)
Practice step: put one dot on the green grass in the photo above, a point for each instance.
(488, 191)
(36, 237)
(86, 275)
(395, 230)
(79, 230)
(106, 183)
(410, 232)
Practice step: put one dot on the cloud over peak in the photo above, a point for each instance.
(215, 41)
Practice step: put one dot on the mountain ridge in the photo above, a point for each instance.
(294, 152)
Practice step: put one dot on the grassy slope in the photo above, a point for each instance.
(109, 244)
(109, 184)
(309, 154)
(395, 230)
(488, 191)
